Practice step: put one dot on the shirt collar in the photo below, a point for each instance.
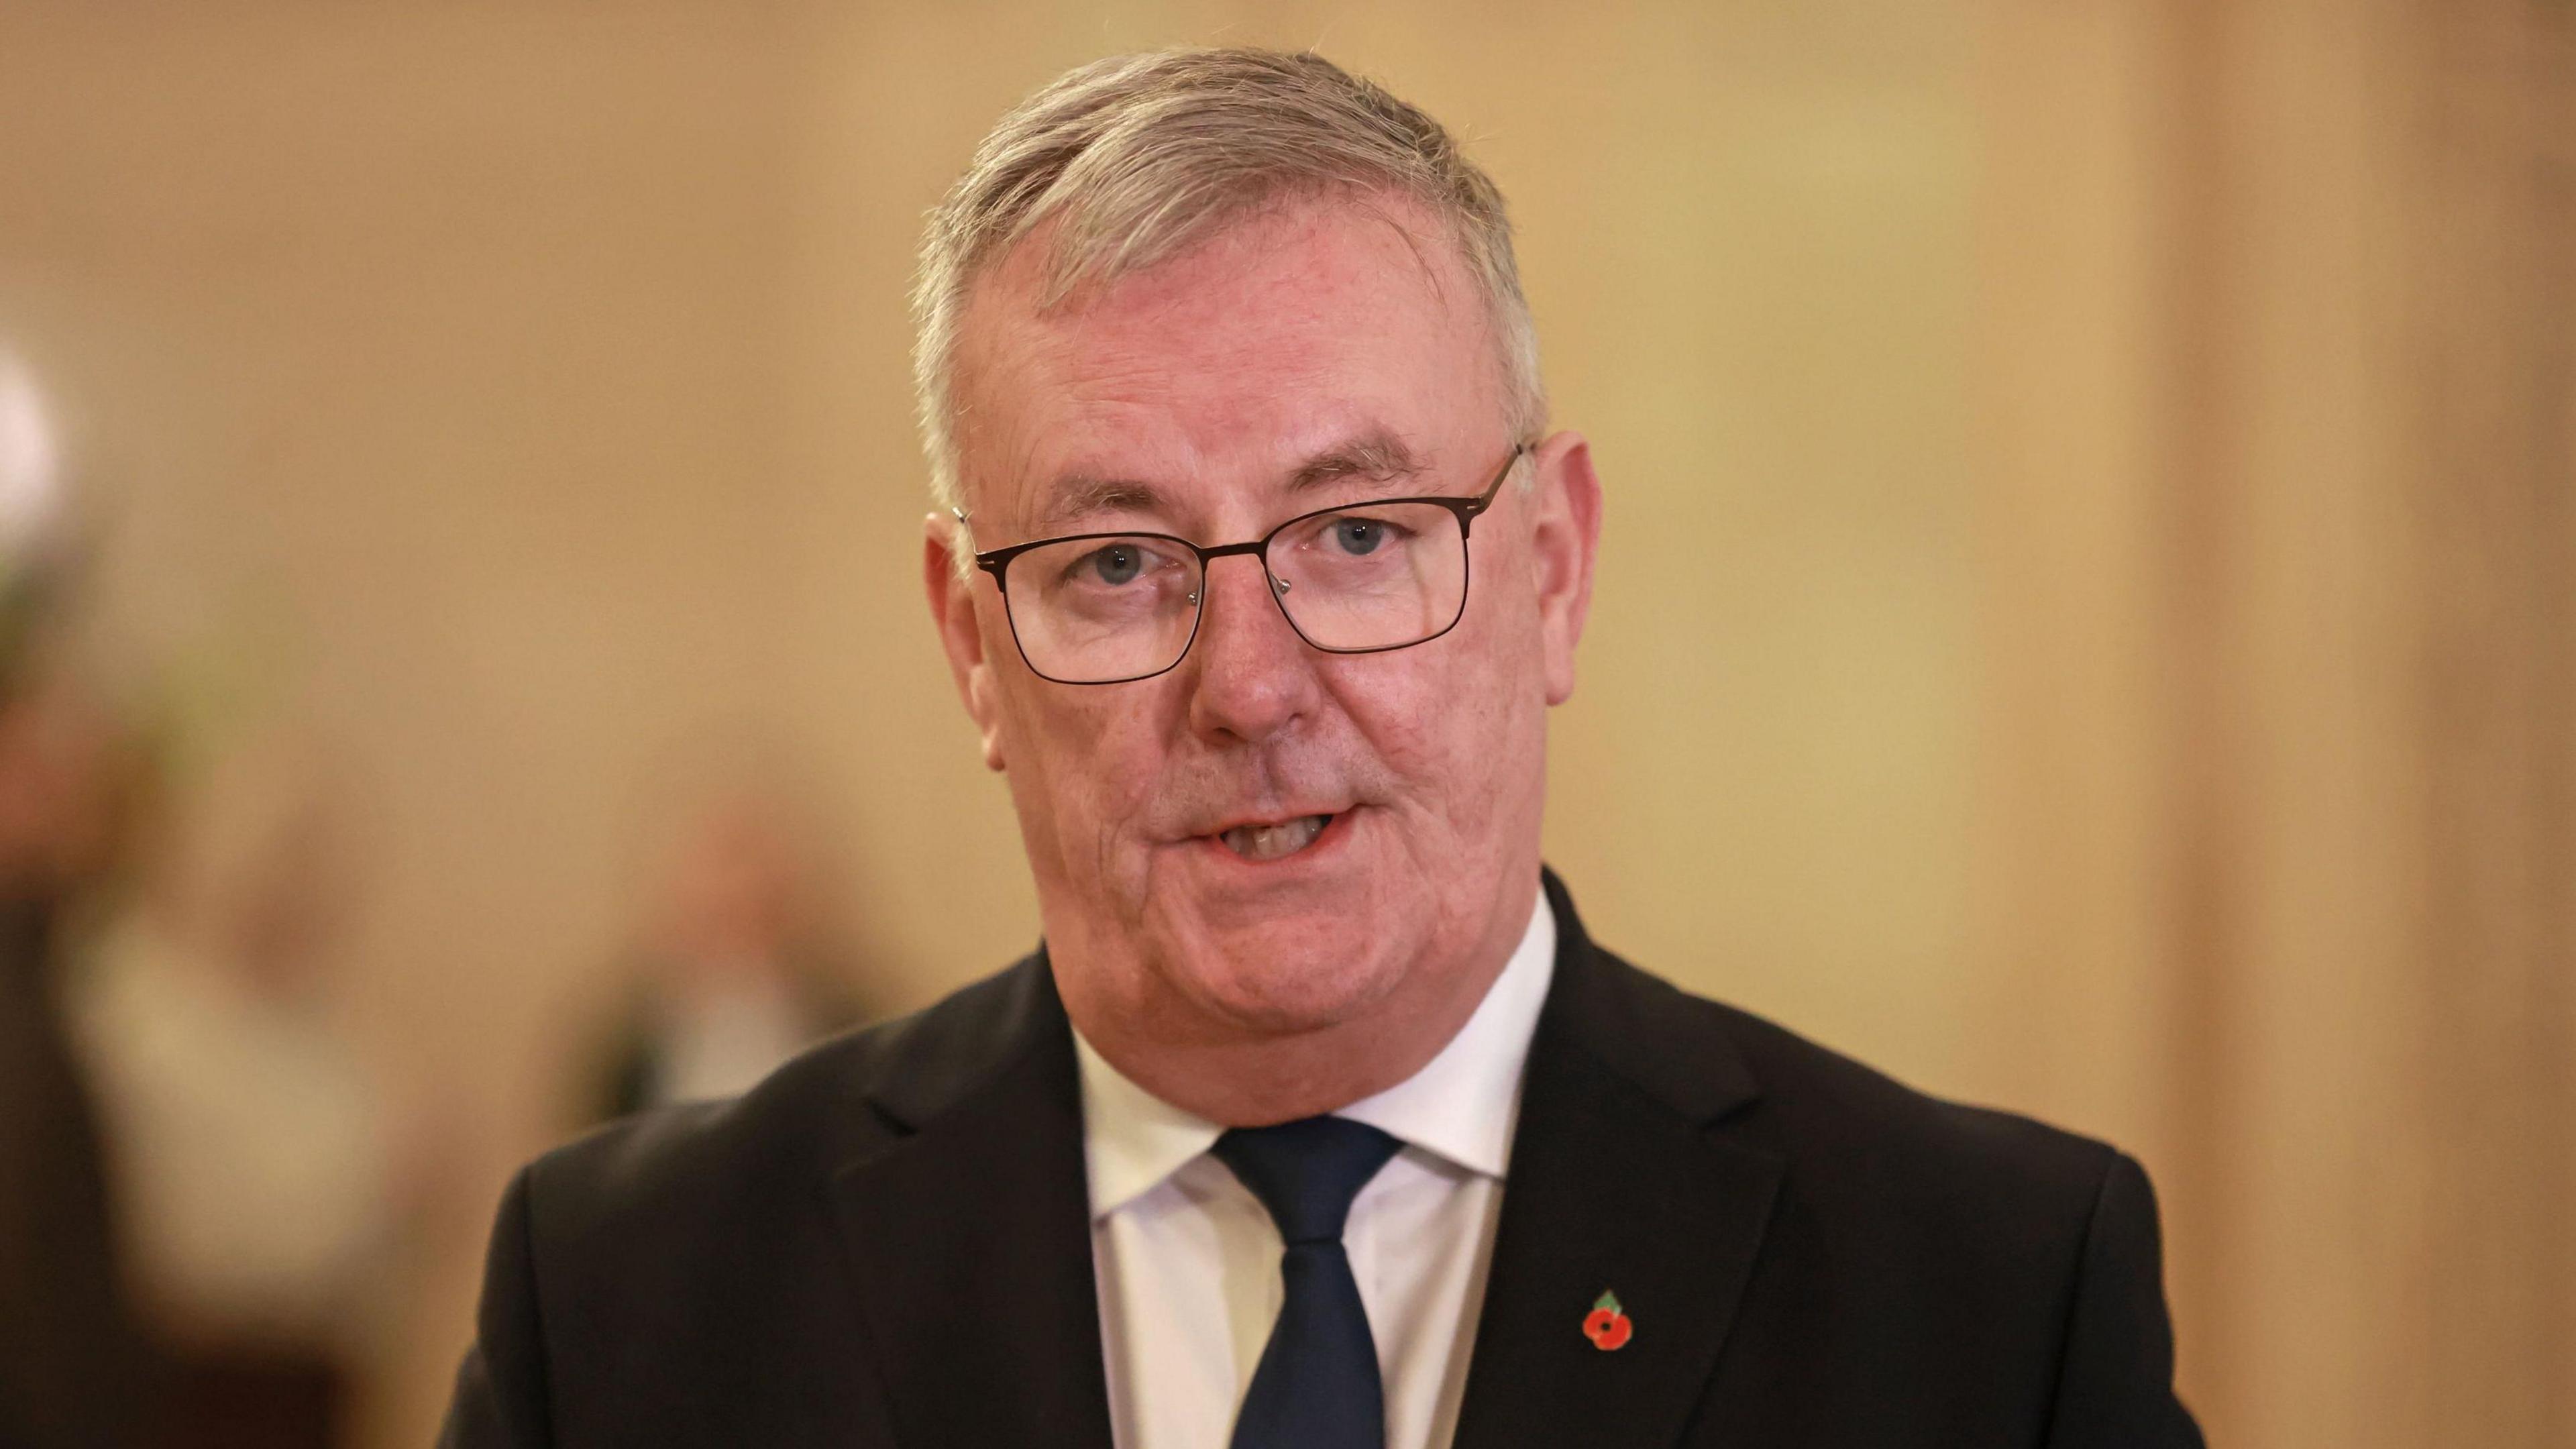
(1462, 1105)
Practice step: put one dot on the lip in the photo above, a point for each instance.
(1326, 845)
(1276, 817)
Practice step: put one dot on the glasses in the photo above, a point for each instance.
(1360, 578)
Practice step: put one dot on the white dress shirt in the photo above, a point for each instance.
(1187, 1260)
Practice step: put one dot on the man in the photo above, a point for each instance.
(1318, 1120)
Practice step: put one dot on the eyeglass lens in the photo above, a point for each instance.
(1368, 577)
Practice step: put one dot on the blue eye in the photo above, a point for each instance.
(1119, 563)
(1358, 535)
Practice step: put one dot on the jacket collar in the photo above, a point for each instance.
(1631, 1176)
(963, 1217)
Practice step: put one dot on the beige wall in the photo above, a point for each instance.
(2282, 373)
(2027, 622)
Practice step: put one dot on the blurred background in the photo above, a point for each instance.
(2087, 620)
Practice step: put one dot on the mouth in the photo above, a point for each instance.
(1276, 840)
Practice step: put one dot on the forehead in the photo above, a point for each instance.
(1284, 335)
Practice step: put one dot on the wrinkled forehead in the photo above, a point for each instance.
(1223, 370)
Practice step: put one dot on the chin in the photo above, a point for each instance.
(1289, 976)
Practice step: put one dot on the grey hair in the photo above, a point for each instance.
(1134, 158)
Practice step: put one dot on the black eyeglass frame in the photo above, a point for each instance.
(998, 561)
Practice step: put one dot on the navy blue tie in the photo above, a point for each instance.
(1317, 1385)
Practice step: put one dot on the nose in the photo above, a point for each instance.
(1252, 676)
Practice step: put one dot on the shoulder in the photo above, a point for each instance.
(707, 1237)
(1902, 1227)
(1857, 1146)
(745, 1158)
(1825, 1113)
(1868, 1123)
(1988, 1270)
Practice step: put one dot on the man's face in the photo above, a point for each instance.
(1307, 358)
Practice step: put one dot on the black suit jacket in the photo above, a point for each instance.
(888, 1243)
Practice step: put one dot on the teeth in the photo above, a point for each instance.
(1270, 842)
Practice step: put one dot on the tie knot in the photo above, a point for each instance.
(1306, 1172)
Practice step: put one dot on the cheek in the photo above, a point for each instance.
(1083, 769)
(1449, 723)
(1481, 723)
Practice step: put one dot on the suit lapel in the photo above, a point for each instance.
(1617, 1184)
(967, 1227)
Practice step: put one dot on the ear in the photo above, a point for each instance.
(961, 628)
(1565, 534)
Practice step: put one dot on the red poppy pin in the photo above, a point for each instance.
(1605, 1325)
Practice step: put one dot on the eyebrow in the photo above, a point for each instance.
(1080, 497)
(1377, 456)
